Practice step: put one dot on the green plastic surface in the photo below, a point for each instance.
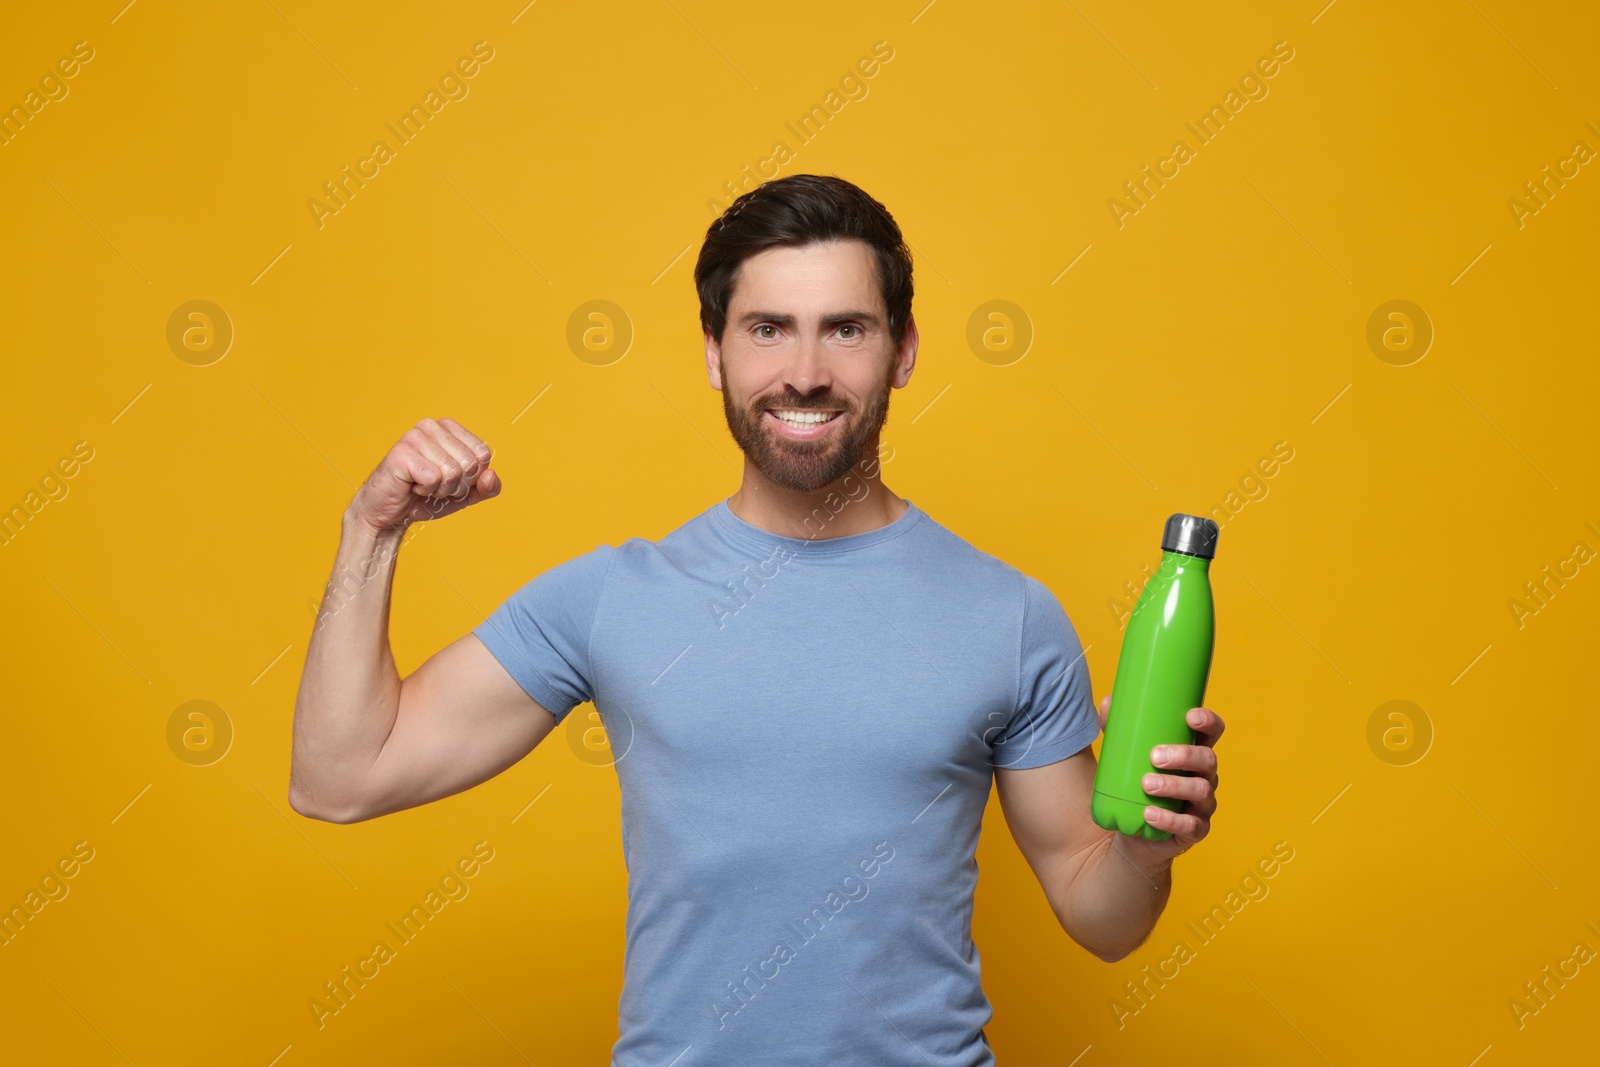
(1161, 674)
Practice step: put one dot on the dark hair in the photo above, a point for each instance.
(799, 210)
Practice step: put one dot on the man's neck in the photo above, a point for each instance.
(854, 503)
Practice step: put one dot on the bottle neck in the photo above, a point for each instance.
(1179, 562)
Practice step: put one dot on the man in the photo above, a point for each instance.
(809, 686)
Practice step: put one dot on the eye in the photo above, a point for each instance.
(765, 326)
(852, 326)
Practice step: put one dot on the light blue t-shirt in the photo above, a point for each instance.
(805, 733)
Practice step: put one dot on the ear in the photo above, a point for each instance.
(713, 361)
(906, 355)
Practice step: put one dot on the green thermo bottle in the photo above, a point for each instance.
(1161, 674)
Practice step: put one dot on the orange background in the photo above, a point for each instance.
(1167, 355)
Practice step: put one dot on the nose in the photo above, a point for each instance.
(807, 371)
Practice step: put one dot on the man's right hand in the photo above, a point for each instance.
(437, 468)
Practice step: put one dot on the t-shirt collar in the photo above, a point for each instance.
(750, 536)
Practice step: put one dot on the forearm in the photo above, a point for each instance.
(1113, 903)
(349, 691)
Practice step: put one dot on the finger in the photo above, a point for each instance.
(1197, 792)
(487, 485)
(458, 467)
(464, 458)
(1181, 825)
(1105, 710)
(479, 448)
(419, 461)
(1207, 723)
(1200, 759)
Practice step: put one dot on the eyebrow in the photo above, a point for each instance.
(777, 318)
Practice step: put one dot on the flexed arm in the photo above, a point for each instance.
(367, 742)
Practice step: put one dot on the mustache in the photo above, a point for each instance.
(803, 405)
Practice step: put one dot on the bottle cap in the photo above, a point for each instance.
(1193, 535)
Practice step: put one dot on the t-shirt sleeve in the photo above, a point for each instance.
(1055, 715)
(540, 633)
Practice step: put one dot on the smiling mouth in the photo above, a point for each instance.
(801, 419)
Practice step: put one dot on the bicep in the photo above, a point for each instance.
(1047, 811)
(462, 720)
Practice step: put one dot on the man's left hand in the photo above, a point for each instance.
(1198, 791)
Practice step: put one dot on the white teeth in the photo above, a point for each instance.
(804, 418)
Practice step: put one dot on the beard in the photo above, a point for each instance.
(806, 466)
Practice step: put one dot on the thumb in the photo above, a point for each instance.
(1105, 709)
(488, 485)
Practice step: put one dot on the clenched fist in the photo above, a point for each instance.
(437, 468)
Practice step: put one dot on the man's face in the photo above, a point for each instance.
(808, 335)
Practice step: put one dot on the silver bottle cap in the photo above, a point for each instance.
(1193, 535)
